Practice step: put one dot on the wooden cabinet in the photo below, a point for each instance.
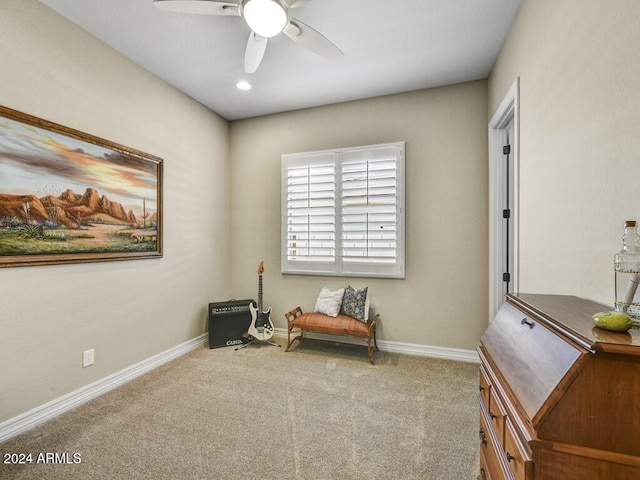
(559, 397)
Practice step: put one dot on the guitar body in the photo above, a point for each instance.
(261, 327)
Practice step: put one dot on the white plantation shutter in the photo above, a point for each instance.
(369, 206)
(310, 238)
(343, 212)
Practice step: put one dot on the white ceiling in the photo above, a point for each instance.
(389, 46)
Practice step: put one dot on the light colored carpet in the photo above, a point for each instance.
(317, 412)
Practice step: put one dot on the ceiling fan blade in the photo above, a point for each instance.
(296, 3)
(254, 52)
(200, 7)
(313, 40)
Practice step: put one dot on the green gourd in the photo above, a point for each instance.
(614, 321)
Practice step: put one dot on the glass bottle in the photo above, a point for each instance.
(627, 273)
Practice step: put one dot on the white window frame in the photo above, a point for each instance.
(387, 267)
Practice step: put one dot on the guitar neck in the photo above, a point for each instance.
(259, 293)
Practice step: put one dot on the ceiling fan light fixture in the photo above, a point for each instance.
(267, 18)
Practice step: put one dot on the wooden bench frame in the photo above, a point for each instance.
(342, 325)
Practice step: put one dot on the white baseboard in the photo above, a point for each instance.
(38, 415)
(445, 353)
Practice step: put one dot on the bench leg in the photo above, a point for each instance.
(375, 342)
(291, 316)
(370, 349)
(288, 339)
(291, 340)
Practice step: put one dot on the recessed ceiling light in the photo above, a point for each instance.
(243, 85)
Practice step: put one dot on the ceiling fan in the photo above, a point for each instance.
(266, 18)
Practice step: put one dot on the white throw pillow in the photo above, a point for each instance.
(329, 302)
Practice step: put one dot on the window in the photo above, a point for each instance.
(343, 212)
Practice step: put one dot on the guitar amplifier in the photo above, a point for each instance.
(228, 322)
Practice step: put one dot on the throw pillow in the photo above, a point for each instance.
(329, 302)
(356, 303)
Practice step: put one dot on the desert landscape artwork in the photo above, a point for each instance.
(68, 197)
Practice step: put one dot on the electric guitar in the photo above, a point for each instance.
(261, 327)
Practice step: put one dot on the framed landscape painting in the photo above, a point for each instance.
(69, 197)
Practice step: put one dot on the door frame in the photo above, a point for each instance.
(508, 111)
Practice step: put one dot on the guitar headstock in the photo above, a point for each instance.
(261, 268)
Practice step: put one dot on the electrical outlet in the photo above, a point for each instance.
(87, 358)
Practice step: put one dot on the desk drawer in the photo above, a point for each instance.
(491, 453)
(485, 473)
(518, 457)
(497, 414)
(485, 387)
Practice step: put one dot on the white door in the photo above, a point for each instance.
(508, 212)
(503, 200)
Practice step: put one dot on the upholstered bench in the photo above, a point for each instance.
(344, 325)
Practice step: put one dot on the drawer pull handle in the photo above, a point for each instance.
(483, 474)
(493, 415)
(527, 322)
(510, 457)
(481, 388)
(483, 438)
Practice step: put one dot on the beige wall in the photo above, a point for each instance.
(128, 311)
(443, 299)
(579, 67)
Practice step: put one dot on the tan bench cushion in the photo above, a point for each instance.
(340, 325)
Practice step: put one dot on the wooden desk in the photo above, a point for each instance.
(559, 397)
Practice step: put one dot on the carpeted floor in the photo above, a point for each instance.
(317, 412)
